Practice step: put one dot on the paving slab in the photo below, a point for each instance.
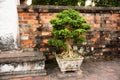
(102, 70)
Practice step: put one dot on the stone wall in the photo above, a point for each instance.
(102, 39)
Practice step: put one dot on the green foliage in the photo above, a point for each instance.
(58, 43)
(63, 33)
(55, 2)
(108, 3)
(68, 24)
(102, 3)
(80, 40)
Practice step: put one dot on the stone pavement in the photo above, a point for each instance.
(102, 70)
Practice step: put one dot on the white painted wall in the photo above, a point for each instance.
(8, 22)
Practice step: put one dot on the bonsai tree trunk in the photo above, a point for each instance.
(69, 48)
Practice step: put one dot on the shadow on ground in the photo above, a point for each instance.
(102, 70)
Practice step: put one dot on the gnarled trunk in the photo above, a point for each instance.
(69, 47)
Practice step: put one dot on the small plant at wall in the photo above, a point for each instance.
(69, 28)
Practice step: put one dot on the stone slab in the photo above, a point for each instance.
(8, 57)
(19, 74)
(21, 64)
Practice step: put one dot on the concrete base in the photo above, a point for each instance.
(16, 74)
(21, 64)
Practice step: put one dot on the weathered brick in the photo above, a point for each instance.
(98, 18)
(16, 79)
(29, 42)
(28, 17)
(38, 78)
(45, 41)
(22, 14)
(46, 78)
(96, 25)
(30, 21)
(42, 49)
(23, 22)
(46, 33)
(27, 78)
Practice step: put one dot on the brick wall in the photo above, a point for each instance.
(35, 28)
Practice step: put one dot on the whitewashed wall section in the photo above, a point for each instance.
(9, 31)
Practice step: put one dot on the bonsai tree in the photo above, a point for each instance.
(68, 29)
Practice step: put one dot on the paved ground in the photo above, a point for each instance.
(104, 70)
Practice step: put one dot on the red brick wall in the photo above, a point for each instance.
(34, 23)
(28, 25)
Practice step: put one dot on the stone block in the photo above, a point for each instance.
(21, 64)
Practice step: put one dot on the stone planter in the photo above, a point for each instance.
(69, 64)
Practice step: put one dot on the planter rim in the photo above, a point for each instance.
(81, 57)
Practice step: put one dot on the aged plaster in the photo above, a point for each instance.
(8, 25)
(25, 66)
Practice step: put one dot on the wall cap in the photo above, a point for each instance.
(50, 8)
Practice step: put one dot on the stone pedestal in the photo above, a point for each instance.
(21, 64)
